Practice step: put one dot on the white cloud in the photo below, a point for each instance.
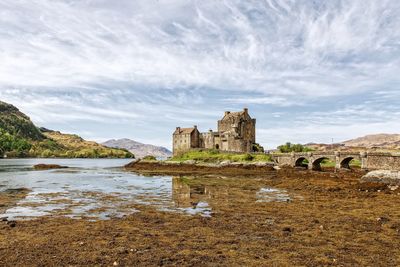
(158, 62)
(296, 47)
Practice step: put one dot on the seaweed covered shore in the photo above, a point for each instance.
(335, 220)
(192, 167)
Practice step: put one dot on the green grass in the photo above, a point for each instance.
(217, 156)
(355, 163)
(329, 163)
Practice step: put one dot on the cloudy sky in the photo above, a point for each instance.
(308, 70)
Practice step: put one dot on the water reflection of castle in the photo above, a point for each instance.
(187, 195)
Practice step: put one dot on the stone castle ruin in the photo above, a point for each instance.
(236, 133)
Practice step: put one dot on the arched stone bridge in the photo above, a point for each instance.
(369, 161)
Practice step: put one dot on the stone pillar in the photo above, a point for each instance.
(338, 159)
(310, 158)
(293, 156)
(364, 160)
(310, 166)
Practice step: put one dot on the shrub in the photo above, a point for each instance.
(257, 148)
(248, 157)
(289, 147)
(11, 143)
(149, 158)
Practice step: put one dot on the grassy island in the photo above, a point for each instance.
(219, 156)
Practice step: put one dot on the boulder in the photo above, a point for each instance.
(190, 162)
(382, 176)
(225, 163)
(260, 164)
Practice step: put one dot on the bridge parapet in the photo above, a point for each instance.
(313, 159)
(342, 159)
(382, 161)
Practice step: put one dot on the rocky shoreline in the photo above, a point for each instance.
(382, 176)
(336, 222)
(193, 167)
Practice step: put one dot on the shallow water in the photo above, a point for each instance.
(100, 189)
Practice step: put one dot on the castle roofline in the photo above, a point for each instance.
(180, 130)
(236, 114)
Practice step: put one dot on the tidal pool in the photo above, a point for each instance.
(100, 189)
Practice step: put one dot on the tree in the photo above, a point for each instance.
(289, 147)
(11, 143)
(257, 148)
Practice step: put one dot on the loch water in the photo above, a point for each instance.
(96, 189)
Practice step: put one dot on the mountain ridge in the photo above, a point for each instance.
(382, 140)
(374, 142)
(140, 150)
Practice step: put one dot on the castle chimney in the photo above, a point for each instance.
(227, 112)
(195, 126)
(246, 110)
(178, 128)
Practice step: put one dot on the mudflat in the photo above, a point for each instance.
(288, 217)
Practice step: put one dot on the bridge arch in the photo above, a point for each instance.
(301, 162)
(345, 163)
(316, 164)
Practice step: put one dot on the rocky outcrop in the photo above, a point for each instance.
(41, 167)
(382, 176)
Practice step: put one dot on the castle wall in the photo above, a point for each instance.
(181, 142)
(185, 139)
(195, 139)
(210, 140)
(236, 133)
(230, 143)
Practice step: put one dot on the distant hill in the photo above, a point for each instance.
(19, 137)
(74, 146)
(324, 147)
(388, 141)
(373, 142)
(139, 149)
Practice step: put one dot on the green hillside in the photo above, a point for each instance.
(17, 124)
(19, 137)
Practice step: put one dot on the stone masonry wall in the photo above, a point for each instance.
(181, 142)
(382, 161)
